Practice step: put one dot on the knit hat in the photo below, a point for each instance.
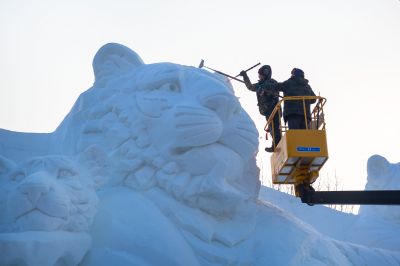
(265, 71)
(297, 72)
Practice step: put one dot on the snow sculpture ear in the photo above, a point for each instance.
(6, 165)
(113, 59)
(377, 167)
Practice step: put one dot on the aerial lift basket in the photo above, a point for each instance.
(301, 153)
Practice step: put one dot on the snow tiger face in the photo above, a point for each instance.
(47, 195)
(196, 123)
(194, 109)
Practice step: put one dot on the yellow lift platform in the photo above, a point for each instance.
(301, 153)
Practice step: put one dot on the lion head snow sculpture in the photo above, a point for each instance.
(382, 175)
(48, 194)
(176, 127)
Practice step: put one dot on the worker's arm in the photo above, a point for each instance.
(247, 81)
(272, 88)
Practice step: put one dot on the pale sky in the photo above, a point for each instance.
(348, 49)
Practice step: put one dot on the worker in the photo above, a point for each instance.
(293, 111)
(266, 100)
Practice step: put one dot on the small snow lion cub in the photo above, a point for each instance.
(48, 194)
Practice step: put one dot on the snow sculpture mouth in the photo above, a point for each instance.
(215, 174)
(37, 220)
(40, 204)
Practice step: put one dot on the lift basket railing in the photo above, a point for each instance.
(317, 121)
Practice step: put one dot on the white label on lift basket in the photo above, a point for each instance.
(308, 149)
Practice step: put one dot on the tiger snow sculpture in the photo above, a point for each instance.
(167, 128)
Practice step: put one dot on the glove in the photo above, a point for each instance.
(243, 73)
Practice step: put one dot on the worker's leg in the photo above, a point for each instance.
(296, 122)
(276, 130)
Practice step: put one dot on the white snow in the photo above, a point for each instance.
(155, 165)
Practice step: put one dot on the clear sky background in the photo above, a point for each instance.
(349, 50)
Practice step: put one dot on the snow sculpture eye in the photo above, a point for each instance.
(65, 173)
(18, 176)
(170, 87)
(153, 102)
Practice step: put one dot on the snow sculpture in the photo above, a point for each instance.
(43, 199)
(382, 175)
(47, 194)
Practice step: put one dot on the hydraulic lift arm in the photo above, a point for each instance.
(368, 197)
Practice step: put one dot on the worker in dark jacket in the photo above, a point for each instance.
(267, 99)
(293, 111)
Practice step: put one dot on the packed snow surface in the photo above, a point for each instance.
(155, 165)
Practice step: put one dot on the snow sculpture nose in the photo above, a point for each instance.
(35, 187)
(224, 105)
